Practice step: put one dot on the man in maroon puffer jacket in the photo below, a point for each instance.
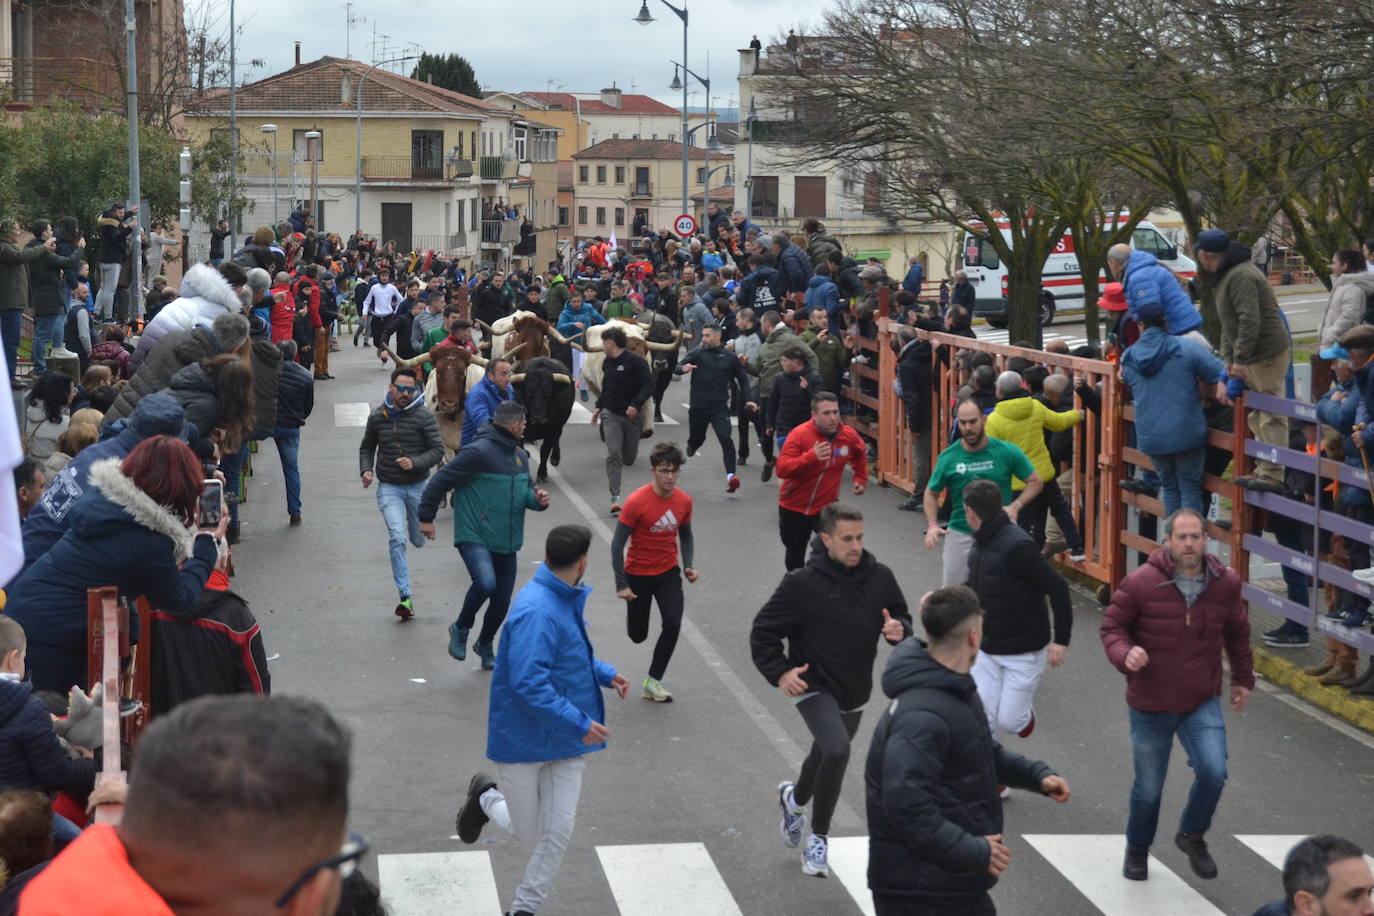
(1165, 630)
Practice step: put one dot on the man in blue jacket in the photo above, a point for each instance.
(1147, 280)
(545, 714)
(485, 396)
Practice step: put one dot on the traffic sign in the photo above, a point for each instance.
(685, 225)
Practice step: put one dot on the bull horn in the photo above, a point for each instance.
(646, 327)
(587, 349)
(483, 325)
(559, 338)
(477, 360)
(561, 379)
(515, 349)
(652, 345)
(517, 377)
(405, 363)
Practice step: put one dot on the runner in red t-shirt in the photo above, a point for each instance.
(655, 518)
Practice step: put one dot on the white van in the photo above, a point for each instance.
(1061, 286)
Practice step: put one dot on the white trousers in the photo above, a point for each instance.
(954, 559)
(537, 804)
(1006, 685)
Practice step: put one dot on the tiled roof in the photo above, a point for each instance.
(629, 104)
(317, 86)
(639, 149)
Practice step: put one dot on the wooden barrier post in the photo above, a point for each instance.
(104, 620)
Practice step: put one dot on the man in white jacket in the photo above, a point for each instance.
(206, 293)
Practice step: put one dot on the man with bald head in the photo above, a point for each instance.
(236, 805)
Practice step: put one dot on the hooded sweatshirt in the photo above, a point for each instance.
(1163, 373)
(1252, 327)
(1345, 308)
(205, 295)
(1022, 421)
(1147, 280)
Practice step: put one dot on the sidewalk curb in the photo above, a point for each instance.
(1334, 700)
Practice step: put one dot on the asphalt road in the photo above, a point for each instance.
(679, 815)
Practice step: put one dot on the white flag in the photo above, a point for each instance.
(11, 454)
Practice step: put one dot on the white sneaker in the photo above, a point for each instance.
(62, 353)
(815, 857)
(1364, 575)
(793, 817)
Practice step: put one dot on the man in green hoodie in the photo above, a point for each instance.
(558, 293)
(618, 306)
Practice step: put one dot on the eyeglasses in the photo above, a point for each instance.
(345, 862)
(406, 389)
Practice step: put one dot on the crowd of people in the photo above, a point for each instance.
(233, 358)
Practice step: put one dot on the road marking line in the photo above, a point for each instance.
(1313, 712)
(351, 413)
(438, 883)
(1273, 847)
(672, 879)
(1092, 864)
(845, 817)
(849, 863)
(582, 416)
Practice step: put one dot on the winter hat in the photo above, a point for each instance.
(1213, 240)
(872, 273)
(1113, 298)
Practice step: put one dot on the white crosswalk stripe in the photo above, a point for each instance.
(438, 883)
(683, 879)
(582, 416)
(1093, 865)
(674, 879)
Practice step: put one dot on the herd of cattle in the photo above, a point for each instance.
(541, 357)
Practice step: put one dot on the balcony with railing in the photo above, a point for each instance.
(455, 243)
(409, 169)
(494, 168)
(39, 80)
(500, 231)
(641, 189)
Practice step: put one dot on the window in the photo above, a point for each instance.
(600, 174)
(476, 216)
(316, 148)
(520, 135)
(980, 253)
(615, 136)
(1151, 241)
(655, 137)
(701, 175)
(808, 196)
(672, 138)
(462, 215)
(601, 216)
(765, 196)
(641, 188)
(582, 172)
(474, 145)
(582, 216)
(620, 216)
(620, 174)
(562, 216)
(426, 154)
(458, 152)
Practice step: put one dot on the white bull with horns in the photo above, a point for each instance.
(636, 342)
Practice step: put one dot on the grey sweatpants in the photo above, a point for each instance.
(537, 804)
(955, 557)
(622, 446)
(105, 296)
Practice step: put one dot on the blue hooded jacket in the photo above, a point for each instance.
(1163, 372)
(823, 293)
(119, 536)
(546, 688)
(481, 406)
(1342, 416)
(1146, 280)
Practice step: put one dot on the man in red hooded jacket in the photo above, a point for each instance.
(810, 468)
(1165, 630)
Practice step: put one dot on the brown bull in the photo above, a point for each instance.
(523, 331)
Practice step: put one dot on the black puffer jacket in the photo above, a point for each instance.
(194, 390)
(1012, 579)
(913, 371)
(295, 396)
(789, 403)
(48, 287)
(714, 368)
(931, 783)
(30, 757)
(267, 362)
(168, 356)
(831, 618)
(413, 434)
(795, 266)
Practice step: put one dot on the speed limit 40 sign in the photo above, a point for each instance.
(685, 225)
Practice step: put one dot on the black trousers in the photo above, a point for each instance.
(380, 330)
(796, 530)
(666, 589)
(822, 773)
(1050, 501)
(916, 906)
(754, 418)
(718, 418)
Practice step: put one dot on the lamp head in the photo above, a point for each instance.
(644, 17)
(677, 81)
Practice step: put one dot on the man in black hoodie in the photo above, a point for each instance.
(934, 819)
(831, 613)
(713, 367)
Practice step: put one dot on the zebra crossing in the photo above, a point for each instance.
(683, 879)
(1003, 336)
(582, 415)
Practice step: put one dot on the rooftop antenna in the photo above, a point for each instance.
(349, 22)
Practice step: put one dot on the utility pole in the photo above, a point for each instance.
(135, 188)
(235, 219)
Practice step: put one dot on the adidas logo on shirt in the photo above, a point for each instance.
(667, 522)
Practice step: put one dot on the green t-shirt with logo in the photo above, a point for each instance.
(997, 461)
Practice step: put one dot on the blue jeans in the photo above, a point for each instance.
(1180, 479)
(46, 329)
(289, 450)
(400, 505)
(231, 465)
(1202, 733)
(11, 326)
(493, 577)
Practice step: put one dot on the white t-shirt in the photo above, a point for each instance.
(381, 300)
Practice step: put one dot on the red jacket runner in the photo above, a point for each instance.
(809, 484)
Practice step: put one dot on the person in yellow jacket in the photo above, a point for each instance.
(1025, 422)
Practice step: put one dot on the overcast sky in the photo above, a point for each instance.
(523, 45)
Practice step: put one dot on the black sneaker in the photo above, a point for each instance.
(1260, 484)
(471, 817)
(1195, 848)
(1135, 485)
(767, 474)
(1137, 865)
(913, 504)
(1286, 640)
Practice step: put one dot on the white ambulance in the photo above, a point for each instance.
(1061, 286)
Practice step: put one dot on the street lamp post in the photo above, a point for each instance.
(710, 145)
(272, 129)
(358, 140)
(644, 18)
(706, 186)
(311, 138)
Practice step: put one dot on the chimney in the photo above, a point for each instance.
(611, 97)
(346, 90)
(748, 61)
(298, 54)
